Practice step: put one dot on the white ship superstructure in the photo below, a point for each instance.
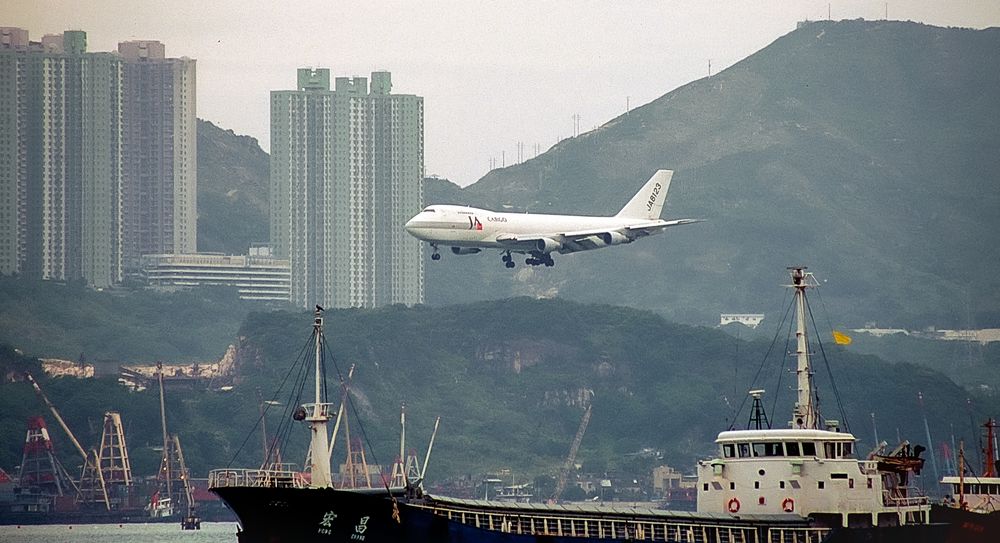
(805, 469)
(978, 493)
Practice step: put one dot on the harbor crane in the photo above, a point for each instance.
(571, 458)
(92, 486)
(174, 470)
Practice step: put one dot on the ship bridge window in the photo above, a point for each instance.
(729, 450)
(744, 449)
(829, 450)
(792, 448)
(809, 449)
(768, 449)
(837, 450)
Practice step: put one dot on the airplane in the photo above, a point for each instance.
(469, 230)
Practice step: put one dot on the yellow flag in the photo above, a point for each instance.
(841, 338)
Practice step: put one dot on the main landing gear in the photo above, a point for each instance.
(538, 259)
(507, 260)
(435, 255)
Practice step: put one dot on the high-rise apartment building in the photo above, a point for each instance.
(346, 172)
(97, 159)
(160, 158)
(60, 178)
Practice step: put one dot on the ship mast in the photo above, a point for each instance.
(804, 415)
(319, 452)
(165, 470)
(990, 469)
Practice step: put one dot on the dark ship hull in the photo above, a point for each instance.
(968, 526)
(304, 515)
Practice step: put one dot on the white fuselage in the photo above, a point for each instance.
(460, 226)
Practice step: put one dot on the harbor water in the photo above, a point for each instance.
(211, 532)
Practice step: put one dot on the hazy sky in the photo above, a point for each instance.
(492, 74)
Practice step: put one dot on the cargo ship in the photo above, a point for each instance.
(972, 507)
(796, 485)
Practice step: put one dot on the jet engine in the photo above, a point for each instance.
(547, 245)
(465, 250)
(614, 238)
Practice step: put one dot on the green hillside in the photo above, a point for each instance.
(867, 150)
(69, 321)
(233, 174)
(509, 380)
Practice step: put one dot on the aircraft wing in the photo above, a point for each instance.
(631, 232)
(584, 240)
(653, 227)
(526, 243)
(568, 242)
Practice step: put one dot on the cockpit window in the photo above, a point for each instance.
(429, 210)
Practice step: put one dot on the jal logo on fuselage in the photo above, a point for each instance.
(652, 197)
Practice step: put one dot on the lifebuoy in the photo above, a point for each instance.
(788, 505)
(733, 505)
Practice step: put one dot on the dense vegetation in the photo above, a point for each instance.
(52, 320)
(509, 380)
(969, 363)
(233, 173)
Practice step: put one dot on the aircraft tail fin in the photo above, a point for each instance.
(648, 202)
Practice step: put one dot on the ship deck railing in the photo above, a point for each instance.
(268, 478)
(905, 497)
(629, 524)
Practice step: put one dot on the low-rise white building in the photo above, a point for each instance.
(257, 276)
(751, 320)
